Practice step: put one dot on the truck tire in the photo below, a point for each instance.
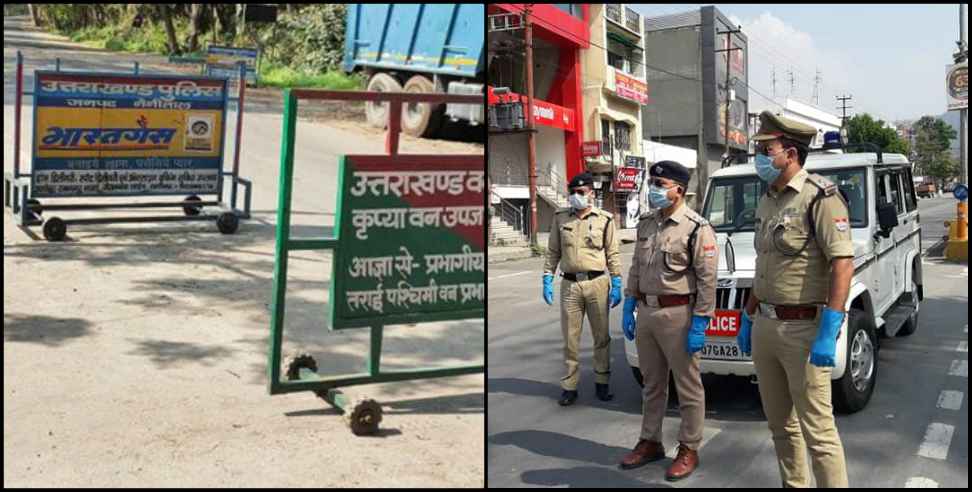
(851, 392)
(377, 113)
(421, 119)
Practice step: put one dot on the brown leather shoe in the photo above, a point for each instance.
(684, 464)
(644, 452)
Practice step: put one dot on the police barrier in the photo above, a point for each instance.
(409, 247)
(125, 135)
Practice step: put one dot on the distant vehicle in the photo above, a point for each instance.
(949, 187)
(886, 289)
(926, 189)
(419, 47)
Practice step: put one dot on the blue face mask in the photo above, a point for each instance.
(658, 197)
(765, 169)
(578, 202)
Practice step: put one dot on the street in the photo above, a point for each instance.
(135, 355)
(914, 431)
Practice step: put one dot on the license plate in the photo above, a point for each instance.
(725, 323)
(722, 351)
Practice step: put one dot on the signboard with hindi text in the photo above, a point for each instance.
(127, 135)
(221, 61)
(411, 233)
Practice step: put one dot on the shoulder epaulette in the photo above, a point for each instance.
(827, 186)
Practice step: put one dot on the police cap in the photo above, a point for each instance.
(670, 170)
(583, 179)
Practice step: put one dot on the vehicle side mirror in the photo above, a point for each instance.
(887, 218)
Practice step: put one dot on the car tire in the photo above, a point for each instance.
(851, 392)
(911, 326)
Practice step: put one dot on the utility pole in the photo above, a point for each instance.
(816, 87)
(729, 49)
(962, 56)
(701, 158)
(844, 107)
(774, 82)
(789, 72)
(531, 134)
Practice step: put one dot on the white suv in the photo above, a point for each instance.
(886, 289)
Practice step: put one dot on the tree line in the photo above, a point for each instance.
(305, 36)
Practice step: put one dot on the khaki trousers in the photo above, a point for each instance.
(796, 400)
(588, 297)
(661, 338)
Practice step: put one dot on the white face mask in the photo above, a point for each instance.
(578, 202)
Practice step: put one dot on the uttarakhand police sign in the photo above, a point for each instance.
(412, 240)
(221, 61)
(125, 135)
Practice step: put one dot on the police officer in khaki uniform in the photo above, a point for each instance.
(804, 265)
(672, 282)
(582, 241)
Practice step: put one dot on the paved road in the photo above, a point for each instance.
(917, 410)
(135, 355)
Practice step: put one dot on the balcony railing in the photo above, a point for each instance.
(632, 20)
(613, 12)
(623, 16)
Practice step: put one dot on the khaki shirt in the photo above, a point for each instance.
(583, 244)
(660, 265)
(784, 274)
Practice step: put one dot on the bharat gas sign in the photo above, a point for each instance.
(957, 86)
(108, 135)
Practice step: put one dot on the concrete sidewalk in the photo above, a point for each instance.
(498, 254)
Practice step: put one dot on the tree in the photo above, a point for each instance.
(932, 141)
(863, 128)
(166, 12)
(196, 26)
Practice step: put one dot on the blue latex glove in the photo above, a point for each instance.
(824, 347)
(628, 319)
(615, 297)
(548, 289)
(696, 334)
(744, 337)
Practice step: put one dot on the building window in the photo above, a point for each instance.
(613, 11)
(573, 9)
(606, 137)
(622, 135)
(632, 20)
(625, 57)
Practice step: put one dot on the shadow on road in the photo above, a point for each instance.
(586, 477)
(45, 330)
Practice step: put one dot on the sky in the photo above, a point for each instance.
(890, 58)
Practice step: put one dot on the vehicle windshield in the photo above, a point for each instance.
(731, 203)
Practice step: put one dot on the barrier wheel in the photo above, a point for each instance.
(297, 362)
(192, 210)
(34, 201)
(228, 222)
(364, 417)
(55, 229)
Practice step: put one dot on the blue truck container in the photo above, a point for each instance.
(421, 47)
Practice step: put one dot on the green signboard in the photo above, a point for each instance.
(411, 240)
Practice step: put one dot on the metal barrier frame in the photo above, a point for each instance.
(305, 377)
(26, 211)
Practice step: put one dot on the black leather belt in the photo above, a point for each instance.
(581, 276)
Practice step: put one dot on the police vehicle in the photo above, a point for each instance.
(885, 292)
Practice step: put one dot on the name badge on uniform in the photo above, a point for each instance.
(710, 251)
(841, 224)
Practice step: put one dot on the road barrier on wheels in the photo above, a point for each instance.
(408, 247)
(112, 134)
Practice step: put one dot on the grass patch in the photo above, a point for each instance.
(284, 77)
